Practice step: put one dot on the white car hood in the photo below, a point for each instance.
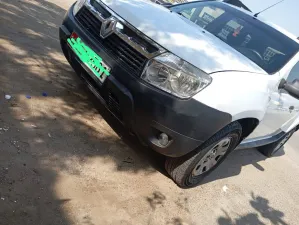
(182, 37)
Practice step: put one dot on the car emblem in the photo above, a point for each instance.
(108, 27)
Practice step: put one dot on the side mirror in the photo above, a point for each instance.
(291, 88)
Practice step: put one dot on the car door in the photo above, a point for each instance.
(282, 107)
(289, 101)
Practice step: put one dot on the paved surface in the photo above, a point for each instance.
(62, 163)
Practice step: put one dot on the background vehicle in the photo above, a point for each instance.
(193, 82)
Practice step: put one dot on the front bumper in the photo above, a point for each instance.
(142, 108)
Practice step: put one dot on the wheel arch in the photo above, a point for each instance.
(248, 126)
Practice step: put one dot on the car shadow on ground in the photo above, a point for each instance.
(43, 136)
(40, 136)
(233, 164)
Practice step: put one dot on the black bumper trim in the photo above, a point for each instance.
(146, 110)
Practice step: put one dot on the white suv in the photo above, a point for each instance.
(193, 81)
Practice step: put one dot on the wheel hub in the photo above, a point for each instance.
(212, 157)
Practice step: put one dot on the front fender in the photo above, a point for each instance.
(241, 94)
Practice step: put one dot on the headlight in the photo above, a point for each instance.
(79, 4)
(174, 75)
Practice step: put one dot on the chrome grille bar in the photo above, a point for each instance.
(126, 38)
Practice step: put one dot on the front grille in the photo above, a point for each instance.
(124, 55)
(111, 100)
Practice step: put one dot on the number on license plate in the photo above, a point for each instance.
(91, 59)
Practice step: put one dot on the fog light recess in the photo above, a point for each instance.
(163, 139)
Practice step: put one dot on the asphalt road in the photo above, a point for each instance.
(64, 160)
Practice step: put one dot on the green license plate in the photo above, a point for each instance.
(92, 60)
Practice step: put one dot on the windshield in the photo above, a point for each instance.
(262, 44)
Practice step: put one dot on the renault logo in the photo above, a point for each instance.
(108, 27)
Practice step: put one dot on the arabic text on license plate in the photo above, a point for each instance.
(92, 60)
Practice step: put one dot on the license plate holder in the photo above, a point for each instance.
(89, 58)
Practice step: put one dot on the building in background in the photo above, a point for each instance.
(237, 3)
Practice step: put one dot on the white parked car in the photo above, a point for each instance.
(193, 81)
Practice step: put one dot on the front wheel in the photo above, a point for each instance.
(189, 170)
(271, 149)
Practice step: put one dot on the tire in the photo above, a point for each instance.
(189, 170)
(271, 149)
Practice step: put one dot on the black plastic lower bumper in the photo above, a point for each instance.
(142, 108)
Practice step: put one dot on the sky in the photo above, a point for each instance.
(285, 14)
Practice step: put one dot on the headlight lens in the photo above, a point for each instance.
(78, 5)
(174, 75)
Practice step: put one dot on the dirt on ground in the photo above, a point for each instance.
(65, 160)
